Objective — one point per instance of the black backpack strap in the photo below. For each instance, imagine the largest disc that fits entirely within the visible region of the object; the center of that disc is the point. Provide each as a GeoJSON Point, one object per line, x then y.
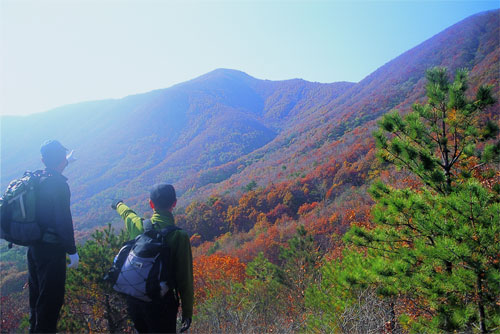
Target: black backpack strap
{"type": "Point", "coordinates": [42, 175]}
{"type": "Point", "coordinates": [170, 228]}
{"type": "Point", "coordinates": [148, 225]}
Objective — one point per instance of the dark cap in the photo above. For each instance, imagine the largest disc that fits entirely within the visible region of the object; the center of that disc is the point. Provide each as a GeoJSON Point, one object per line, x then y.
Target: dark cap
{"type": "Point", "coordinates": [163, 195]}
{"type": "Point", "coordinates": [53, 152]}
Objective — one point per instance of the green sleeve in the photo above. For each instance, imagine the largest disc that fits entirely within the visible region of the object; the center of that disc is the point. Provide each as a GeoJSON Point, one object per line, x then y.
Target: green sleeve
{"type": "Point", "coordinates": [184, 274]}
{"type": "Point", "coordinates": [133, 223]}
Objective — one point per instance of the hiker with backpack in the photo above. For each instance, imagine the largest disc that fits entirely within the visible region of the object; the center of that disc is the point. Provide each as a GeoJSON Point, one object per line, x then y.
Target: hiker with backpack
{"type": "Point", "coordinates": [155, 269]}
{"type": "Point", "coordinates": [47, 256]}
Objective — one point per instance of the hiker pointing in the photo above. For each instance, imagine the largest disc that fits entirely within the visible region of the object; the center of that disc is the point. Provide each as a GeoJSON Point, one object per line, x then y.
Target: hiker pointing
{"type": "Point", "coordinates": [153, 305]}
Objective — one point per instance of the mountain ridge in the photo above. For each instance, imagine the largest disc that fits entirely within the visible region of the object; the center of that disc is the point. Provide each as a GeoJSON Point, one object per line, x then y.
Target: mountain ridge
{"type": "Point", "coordinates": [221, 130]}
{"type": "Point", "coordinates": [358, 104]}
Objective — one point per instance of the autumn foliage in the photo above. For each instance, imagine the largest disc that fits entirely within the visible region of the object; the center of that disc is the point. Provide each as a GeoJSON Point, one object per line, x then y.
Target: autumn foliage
{"type": "Point", "coordinates": [267, 229]}
{"type": "Point", "coordinates": [213, 273]}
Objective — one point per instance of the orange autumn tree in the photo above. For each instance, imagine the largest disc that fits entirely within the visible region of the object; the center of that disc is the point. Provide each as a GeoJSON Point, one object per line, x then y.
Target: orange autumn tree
{"type": "Point", "coordinates": [218, 281]}
{"type": "Point", "coordinates": [212, 274]}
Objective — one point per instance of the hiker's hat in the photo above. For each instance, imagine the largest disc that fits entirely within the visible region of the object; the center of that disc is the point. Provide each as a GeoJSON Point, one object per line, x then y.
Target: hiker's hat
{"type": "Point", "coordinates": [52, 150]}
{"type": "Point", "coordinates": [163, 195]}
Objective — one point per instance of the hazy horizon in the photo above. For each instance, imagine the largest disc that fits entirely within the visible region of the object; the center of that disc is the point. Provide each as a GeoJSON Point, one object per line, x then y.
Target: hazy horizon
{"type": "Point", "coordinates": [57, 53]}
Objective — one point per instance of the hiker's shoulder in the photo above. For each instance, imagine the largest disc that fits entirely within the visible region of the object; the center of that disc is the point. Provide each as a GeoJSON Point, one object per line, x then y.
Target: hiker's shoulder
{"type": "Point", "coordinates": [53, 182]}
{"type": "Point", "coordinates": [180, 235]}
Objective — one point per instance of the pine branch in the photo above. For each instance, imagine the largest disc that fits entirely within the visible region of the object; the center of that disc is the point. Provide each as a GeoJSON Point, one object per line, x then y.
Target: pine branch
{"type": "Point", "coordinates": [415, 171]}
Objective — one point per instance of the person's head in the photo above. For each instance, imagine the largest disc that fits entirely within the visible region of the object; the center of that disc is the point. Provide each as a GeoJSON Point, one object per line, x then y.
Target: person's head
{"type": "Point", "coordinates": [54, 155]}
{"type": "Point", "coordinates": [162, 197]}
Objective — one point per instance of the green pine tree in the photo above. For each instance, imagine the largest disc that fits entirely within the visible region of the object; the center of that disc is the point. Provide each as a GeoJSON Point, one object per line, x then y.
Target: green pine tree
{"type": "Point", "coordinates": [300, 260]}
{"type": "Point", "coordinates": [440, 141]}
{"type": "Point", "coordinates": [436, 247]}
{"type": "Point", "coordinates": [265, 292]}
{"type": "Point", "coordinates": [298, 271]}
{"type": "Point", "coordinates": [91, 304]}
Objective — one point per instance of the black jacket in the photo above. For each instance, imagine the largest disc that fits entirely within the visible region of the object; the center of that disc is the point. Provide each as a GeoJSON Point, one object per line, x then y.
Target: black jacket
{"type": "Point", "coordinates": [53, 210]}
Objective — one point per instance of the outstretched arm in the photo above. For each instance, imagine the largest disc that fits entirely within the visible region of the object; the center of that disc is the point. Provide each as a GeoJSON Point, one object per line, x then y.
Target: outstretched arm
{"type": "Point", "coordinates": [133, 223]}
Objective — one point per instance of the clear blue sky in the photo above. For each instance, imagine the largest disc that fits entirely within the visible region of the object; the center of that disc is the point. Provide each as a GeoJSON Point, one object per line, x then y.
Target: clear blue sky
{"type": "Point", "coordinates": [59, 52]}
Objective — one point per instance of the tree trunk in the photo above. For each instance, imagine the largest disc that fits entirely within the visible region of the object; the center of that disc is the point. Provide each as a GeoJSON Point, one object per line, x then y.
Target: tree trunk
{"type": "Point", "coordinates": [480, 305]}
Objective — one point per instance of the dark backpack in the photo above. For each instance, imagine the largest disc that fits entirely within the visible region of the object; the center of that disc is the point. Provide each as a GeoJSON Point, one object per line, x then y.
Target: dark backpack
{"type": "Point", "coordinates": [141, 268]}
{"type": "Point", "coordinates": [18, 223]}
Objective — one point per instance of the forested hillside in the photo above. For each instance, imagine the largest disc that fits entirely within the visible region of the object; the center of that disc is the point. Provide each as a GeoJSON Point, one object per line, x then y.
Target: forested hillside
{"type": "Point", "coordinates": [124, 146]}
{"type": "Point", "coordinates": [271, 176]}
{"type": "Point", "coordinates": [225, 128]}
{"type": "Point", "coordinates": [471, 44]}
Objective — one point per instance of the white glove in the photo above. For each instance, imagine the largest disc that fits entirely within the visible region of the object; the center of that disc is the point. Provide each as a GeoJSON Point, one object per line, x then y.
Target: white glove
{"type": "Point", "coordinates": [163, 288]}
{"type": "Point", "coordinates": [73, 261]}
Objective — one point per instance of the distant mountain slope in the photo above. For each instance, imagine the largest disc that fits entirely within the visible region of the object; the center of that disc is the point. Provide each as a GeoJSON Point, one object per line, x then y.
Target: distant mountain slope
{"type": "Point", "coordinates": [218, 132]}
{"type": "Point", "coordinates": [126, 145]}
{"type": "Point", "coordinates": [472, 43]}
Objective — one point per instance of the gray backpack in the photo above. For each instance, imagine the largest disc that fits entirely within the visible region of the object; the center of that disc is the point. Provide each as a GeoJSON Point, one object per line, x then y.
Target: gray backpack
{"type": "Point", "coordinates": [142, 269]}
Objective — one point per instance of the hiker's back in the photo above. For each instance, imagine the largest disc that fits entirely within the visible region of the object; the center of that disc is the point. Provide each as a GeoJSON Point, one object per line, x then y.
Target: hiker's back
{"type": "Point", "coordinates": [160, 316]}
{"type": "Point", "coordinates": [53, 211]}
{"type": "Point", "coordinates": [47, 257]}
{"type": "Point", "coordinates": [53, 196]}
{"type": "Point", "coordinates": [176, 241]}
